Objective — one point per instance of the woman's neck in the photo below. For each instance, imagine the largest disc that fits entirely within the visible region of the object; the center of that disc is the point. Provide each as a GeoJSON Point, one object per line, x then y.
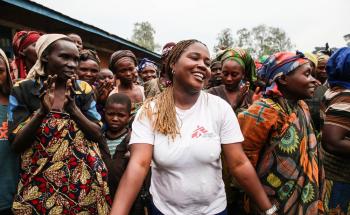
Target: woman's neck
{"type": "Point", "coordinates": [183, 98]}
{"type": "Point", "coordinates": [126, 85]}
{"type": "Point", "coordinates": [230, 89]}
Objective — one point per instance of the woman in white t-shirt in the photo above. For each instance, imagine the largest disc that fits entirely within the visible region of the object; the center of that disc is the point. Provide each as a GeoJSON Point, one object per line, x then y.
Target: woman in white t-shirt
{"type": "Point", "coordinates": [182, 131]}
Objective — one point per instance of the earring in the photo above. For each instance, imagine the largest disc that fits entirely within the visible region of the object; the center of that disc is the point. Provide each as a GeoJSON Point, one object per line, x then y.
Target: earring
{"type": "Point", "coordinates": [172, 71]}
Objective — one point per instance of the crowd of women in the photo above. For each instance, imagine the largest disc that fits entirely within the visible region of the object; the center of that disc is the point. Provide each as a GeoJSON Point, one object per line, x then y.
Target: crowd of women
{"type": "Point", "coordinates": [194, 135]}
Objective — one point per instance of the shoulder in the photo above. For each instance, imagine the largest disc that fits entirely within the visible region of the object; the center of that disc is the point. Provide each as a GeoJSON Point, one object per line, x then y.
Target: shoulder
{"type": "Point", "coordinates": [25, 83]}
{"type": "Point", "coordinates": [83, 87]}
{"type": "Point", "coordinates": [214, 90]}
{"type": "Point", "coordinates": [262, 110]}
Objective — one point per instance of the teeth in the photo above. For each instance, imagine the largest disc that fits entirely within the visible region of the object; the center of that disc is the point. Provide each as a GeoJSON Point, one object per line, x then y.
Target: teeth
{"type": "Point", "coordinates": [199, 76]}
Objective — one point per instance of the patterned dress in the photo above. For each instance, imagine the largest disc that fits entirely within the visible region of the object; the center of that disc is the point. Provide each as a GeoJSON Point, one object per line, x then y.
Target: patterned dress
{"type": "Point", "coordinates": [62, 172]}
{"type": "Point", "coordinates": [281, 144]}
{"type": "Point", "coordinates": [336, 107]}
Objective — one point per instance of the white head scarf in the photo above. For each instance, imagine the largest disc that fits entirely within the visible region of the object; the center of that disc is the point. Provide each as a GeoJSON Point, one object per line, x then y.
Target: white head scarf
{"type": "Point", "coordinates": [43, 42]}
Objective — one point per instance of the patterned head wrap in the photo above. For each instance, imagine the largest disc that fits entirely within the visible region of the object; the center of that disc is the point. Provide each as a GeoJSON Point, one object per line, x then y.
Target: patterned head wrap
{"type": "Point", "coordinates": [243, 58]}
{"type": "Point", "coordinates": [311, 57]}
{"type": "Point", "coordinates": [119, 55]}
{"type": "Point", "coordinates": [146, 63]}
{"type": "Point", "coordinates": [166, 49]}
{"type": "Point", "coordinates": [21, 40]}
{"type": "Point", "coordinates": [41, 45]}
{"type": "Point", "coordinates": [88, 54]}
{"type": "Point", "coordinates": [338, 68]}
{"type": "Point", "coordinates": [279, 64]}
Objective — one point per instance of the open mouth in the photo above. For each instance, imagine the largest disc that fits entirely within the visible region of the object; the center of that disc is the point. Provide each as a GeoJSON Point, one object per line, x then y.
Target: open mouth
{"type": "Point", "coordinates": [199, 76]}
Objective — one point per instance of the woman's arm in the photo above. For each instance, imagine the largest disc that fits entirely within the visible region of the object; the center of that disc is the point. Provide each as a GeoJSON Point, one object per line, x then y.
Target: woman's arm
{"type": "Point", "coordinates": [24, 137]}
{"type": "Point", "coordinates": [243, 171]}
{"type": "Point", "coordinates": [133, 177]}
{"type": "Point", "coordinates": [334, 140]}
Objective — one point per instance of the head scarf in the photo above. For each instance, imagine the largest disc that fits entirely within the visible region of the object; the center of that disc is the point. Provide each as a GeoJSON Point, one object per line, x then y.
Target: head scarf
{"type": "Point", "coordinates": [146, 63]}
{"type": "Point", "coordinates": [243, 58]}
{"type": "Point", "coordinates": [88, 54]}
{"type": "Point", "coordinates": [8, 69]}
{"type": "Point", "coordinates": [166, 49]}
{"type": "Point", "coordinates": [311, 57]}
{"type": "Point", "coordinates": [43, 42]}
{"type": "Point", "coordinates": [21, 40]}
{"type": "Point", "coordinates": [279, 64]}
{"type": "Point", "coordinates": [338, 68]}
{"type": "Point", "coordinates": [119, 55]}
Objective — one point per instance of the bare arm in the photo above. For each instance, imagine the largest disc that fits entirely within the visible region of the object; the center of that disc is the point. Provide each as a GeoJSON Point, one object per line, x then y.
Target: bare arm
{"type": "Point", "coordinates": [243, 171]}
{"type": "Point", "coordinates": [133, 177]}
{"type": "Point", "coordinates": [24, 138]}
{"type": "Point", "coordinates": [334, 140]}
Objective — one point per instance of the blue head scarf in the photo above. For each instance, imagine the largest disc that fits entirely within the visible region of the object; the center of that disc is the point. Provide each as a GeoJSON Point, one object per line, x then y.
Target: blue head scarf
{"type": "Point", "coordinates": [145, 62]}
{"type": "Point", "coordinates": [338, 68]}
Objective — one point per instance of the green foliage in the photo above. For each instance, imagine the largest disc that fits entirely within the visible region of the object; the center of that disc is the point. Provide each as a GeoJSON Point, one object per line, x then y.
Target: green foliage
{"type": "Point", "coordinates": [263, 40]}
{"type": "Point", "coordinates": [225, 40]}
{"type": "Point", "coordinates": [143, 35]}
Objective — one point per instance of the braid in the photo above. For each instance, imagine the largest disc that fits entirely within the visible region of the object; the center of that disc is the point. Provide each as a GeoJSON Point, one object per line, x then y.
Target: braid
{"type": "Point", "coordinates": [164, 111]}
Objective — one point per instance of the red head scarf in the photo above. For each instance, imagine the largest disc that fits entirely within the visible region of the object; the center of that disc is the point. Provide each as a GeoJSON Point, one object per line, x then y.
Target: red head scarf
{"type": "Point", "coordinates": [22, 40]}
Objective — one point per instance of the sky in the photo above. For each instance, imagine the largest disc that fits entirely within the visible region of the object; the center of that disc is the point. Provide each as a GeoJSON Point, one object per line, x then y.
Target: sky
{"type": "Point", "coordinates": [308, 23]}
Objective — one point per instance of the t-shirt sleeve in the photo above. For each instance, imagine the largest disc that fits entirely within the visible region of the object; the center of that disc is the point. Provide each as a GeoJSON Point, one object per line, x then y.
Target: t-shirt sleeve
{"type": "Point", "coordinates": [230, 131]}
{"type": "Point", "coordinates": [142, 130]}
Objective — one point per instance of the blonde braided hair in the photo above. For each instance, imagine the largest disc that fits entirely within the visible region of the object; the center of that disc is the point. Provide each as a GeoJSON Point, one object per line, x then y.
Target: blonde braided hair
{"type": "Point", "coordinates": [163, 114]}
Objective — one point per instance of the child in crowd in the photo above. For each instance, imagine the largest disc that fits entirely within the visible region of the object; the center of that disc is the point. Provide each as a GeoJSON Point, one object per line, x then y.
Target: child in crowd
{"type": "Point", "coordinates": [114, 149]}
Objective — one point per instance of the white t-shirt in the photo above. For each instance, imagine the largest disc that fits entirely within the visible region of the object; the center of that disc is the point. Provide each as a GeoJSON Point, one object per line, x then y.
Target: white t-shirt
{"type": "Point", "coordinates": [186, 173]}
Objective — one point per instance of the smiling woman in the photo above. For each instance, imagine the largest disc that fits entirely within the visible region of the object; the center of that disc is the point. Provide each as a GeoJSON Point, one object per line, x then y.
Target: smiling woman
{"type": "Point", "coordinates": [54, 124]}
{"type": "Point", "coordinates": [183, 130]}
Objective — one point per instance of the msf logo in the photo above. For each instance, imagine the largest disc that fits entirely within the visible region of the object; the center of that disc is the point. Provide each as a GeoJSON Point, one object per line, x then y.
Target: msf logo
{"type": "Point", "coordinates": [199, 131]}
{"type": "Point", "coordinates": [3, 131]}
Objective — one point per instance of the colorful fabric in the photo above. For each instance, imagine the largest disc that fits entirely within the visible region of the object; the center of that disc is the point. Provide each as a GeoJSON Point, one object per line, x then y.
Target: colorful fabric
{"type": "Point", "coordinates": [22, 40]}
{"type": "Point", "coordinates": [312, 58]}
{"type": "Point", "coordinates": [145, 62]}
{"type": "Point", "coordinates": [336, 112]}
{"type": "Point", "coordinates": [24, 100]}
{"type": "Point", "coordinates": [337, 197]}
{"type": "Point", "coordinates": [285, 152]}
{"type": "Point", "coordinates": [62, 172]}
{"type": "Point", "coordinates": [279, 64]}
{"type": "Point", "coordinates": [338, 68]}
{"type": "Point", "coordinates": [41, 45]}
{"type": "Point", "coordinates": [119, 55]}
{"type": "Point", "coordinates": [243, 58]}
{"type": "Point", "coordinates": [167, 48]}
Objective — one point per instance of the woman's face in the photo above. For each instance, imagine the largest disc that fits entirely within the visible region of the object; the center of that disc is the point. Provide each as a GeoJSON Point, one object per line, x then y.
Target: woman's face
{"type": "Point", "coordinates": [88, 70]}
{"type": "Point", "coordinates": [29, 54]}
{"type": "Point", "coordinates": [300, 84]}
{"type": "Point", "coordinates": [62, 59]}
{"type": "Point", "coordinates": [123, 70]}
{"type": "Point", "coordinates": [105, 76]}
{"type": "Point", "coordinates": [77, 40]}
{"type": "Point", "coordinates": [232, 74]}
{"type": "Point", "coordinates": [191, 70]}
{"type": "Point", "coordinates": [321, 73]}
{"type": "Point", "coordinates": [3, 76]}
{"type": "Point", "coordinates": [148, 73]}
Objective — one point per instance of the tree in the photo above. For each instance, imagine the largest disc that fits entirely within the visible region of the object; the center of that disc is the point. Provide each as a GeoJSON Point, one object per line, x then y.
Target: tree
{"type": "Point", "coordinates": [225, 40]}
{"type": "Point", "coordinates": [143, 35]}
{"type": "Point", "coordinates": [263, 40]}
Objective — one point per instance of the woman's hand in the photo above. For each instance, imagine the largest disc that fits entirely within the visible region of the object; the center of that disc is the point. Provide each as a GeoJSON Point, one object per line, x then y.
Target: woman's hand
{"type": "Point", "coordinates": [69, 101]}
{"type": "Point", "coordinates": [47, 94]}
{"type": "Point", "coordinates": [103, 90]}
